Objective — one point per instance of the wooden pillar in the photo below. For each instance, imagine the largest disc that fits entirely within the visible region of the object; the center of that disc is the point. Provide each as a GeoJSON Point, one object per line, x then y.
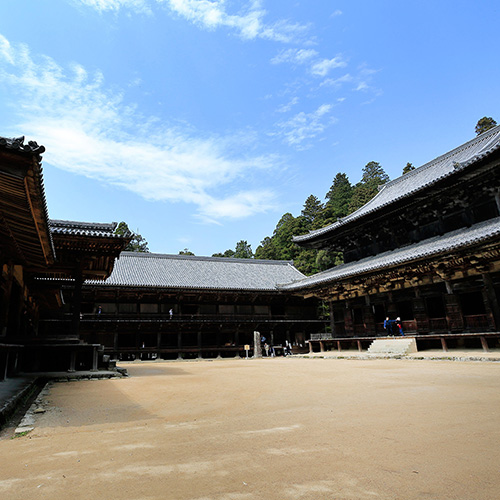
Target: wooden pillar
{"type": "Point", "coordinates": [369, 317]}
{"type": "Point", "coordinates": [484, 344]}
{"type": "Point", "coordinates": [421, 318]}
{"type": "Point", "coordinates": [391, 306]}
{"type": "Point", "coordinates": [199, 342]}
{"type": "Point", "coordinates": [310, 347]}
{"type": "Point", "coordinates": [348, 321]}
{"type": "Point", "coordinates": [179, 342]}
{"type": "Point", "coordinates": [72, 361]}
{"type": "Point", "coordinates": [77, 300]}
{"type": "Point", "coordinates": [321, 346]}
{"type": "Point", "coordinates": [237, 341]}
{"type": "Point", "coordinates": [95, 359]}
{"type": "Point", "coordinates": [360, 347]}
{"type": "Point", "coordinates": [332, 319]}
{"type": "Point", "coordinates": [491, 301]}
{"type": "Point", "coordinates": [453, 310]}
{"type": "Point", "coordinates": [444, 345]}
{"type": "Point", "coordinates": [339, 347]}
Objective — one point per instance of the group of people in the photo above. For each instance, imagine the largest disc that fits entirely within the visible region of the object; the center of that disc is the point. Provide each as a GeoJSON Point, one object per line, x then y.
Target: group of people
{"type": "Point", "coordinates": [389, 325]}
{"type": "Point", "coordinates": [270, 350]}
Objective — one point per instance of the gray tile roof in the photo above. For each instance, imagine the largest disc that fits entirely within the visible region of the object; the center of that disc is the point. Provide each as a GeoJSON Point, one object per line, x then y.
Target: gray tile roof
{"type": "Point", "coordinates": [420, 178]}
{"type": "Point", "coordinates": [17, 144]}
{"type": "Point", "coordinates": [134, 269]}
{"type": "Point", "coordinates": [76, 228]}
{"type": "Point", "coordinates": [432, 247]}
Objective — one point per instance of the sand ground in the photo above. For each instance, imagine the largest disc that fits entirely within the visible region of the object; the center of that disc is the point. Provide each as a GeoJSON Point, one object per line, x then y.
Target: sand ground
{"type": "Point", "coordinates": [266, 429]}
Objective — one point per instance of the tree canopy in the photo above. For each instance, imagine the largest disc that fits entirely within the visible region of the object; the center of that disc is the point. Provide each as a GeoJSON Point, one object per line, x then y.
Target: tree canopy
{"type": "Point", "coordinates": [341, 200]}
{"type": "Point", "coordinates": [137, 243]}
{"type": "Point", "coordinates": [242, 251]}
{"type": "Point", "coordinates": [408, 168]}
{"type": "Point", "coordinates": [484, 124]}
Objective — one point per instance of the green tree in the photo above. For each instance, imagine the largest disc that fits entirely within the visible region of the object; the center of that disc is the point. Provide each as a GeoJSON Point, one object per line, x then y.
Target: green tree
{"type": "Point", "coordinates": [137, 242]}
{"type": "Point", "coordinates": [373, 173]}
{"type": "Point", "coordinates": [484, 124]}
{"type": "Point", "coordinates": [186, 251]}
{"type": "Point", "coordinates": [267, 250]}
{"type": "Point", "coordinates": [338, 199]}
{"type": "Point", "coordinates": [373, 177]}
{"type": "Point", "coordinates": [243, 250]}
{"type": "Point", "coordinates": [408, 168]}
{"type": "Point", "coordinates": [227, 254]}
{"type": "Point", "coordinates": [312, 210]}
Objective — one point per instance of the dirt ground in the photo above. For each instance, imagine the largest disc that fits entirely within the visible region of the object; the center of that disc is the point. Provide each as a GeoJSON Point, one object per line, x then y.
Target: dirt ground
{"type": "Point", "coordinates": [266, 429]}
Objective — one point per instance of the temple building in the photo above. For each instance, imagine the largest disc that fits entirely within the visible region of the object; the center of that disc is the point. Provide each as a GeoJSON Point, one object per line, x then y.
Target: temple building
{"type": "Point", "coordinates": [426, 249]}
{"type": "Point", "coordinates": [36, 256]}
{"type": "Point", "coordinates": [179, 306]}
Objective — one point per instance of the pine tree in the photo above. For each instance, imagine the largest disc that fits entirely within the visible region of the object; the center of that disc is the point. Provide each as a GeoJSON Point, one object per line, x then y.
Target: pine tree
{"type": "Point", "coordinates": [484, 124]}
{"type": "Point", "coordinates": [137, 242]}
{"type": "Point", "coordinates": [408, 168]}
{"type": "Point", "coordinates": [338, 198]}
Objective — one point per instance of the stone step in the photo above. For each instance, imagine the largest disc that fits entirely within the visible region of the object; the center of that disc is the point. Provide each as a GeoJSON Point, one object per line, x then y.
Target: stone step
{"type": "Point", "coordinates": [400, 345]}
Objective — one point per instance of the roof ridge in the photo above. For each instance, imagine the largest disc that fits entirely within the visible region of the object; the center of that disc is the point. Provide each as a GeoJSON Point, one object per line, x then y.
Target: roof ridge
{"type": "Point", "coordinates": [204, 258]}
{"type": "Point", "coordinates": [490, 136]}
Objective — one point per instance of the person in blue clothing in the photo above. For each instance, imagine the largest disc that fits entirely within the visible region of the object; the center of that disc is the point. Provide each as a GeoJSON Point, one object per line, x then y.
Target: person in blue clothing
{"type": "Point", "coordinates": [388, 323]}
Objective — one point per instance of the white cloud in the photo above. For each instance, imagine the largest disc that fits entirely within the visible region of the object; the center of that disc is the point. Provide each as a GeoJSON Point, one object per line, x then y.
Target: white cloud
{"type": "Point", "coordinates": [323, 67]}
{"type": "Point", "coordinates": [90, 131]}
{"type": "Point", "coordinates": [337, 82]}
{"type": "Point", "coordinates": [288, 106]}
{"type": "Point", "coordinates": [140, 6]}
{"type": "Point", "coordinates": [294, 56]}
{"type": "Point", "coordinates": [212, 14]}
{"type": "Point", "coordinates": [303, 127]}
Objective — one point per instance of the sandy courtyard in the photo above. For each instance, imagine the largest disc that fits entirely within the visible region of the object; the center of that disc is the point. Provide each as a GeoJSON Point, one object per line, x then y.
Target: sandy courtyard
{"type": "Point", "coordinates": [266, 429]}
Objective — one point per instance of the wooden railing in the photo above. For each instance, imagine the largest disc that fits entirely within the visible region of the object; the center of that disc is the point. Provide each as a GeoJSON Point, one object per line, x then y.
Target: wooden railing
{"type": "Point", "coordinates": [476, 322]}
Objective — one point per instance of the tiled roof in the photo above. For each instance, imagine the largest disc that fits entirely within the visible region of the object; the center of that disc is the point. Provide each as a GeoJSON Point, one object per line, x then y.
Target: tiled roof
{"type": "Point", "coordinates": [17, 144]}
{"type": "Point", "coordinates": [432, 247]}
{"type": "Point", "coordinates": [420, 178]}
{"type": "Point", "coordinates": [136, 269]}
{"type": "Point", "coordinates": [75, 228]}
{"type": "Point", "coordinates": [33, 184]}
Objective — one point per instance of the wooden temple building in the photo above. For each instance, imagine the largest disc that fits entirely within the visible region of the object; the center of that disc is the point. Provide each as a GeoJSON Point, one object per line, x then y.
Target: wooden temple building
{"type": "Point", "coordinates": [36, 257]}
{"type": "Point", "coordinates": [178, 306]}
{"type": "Point", "coordinates": [426, 249]}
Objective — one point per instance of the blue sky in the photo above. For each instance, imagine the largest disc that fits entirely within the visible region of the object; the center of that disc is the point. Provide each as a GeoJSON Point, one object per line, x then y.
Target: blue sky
{"type": "Point", "coordinates": [201, 122]}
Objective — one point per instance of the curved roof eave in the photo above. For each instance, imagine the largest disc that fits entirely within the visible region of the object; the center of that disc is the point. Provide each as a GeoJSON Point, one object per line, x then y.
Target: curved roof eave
{"type": "Point", "coordinates": [417, 180]}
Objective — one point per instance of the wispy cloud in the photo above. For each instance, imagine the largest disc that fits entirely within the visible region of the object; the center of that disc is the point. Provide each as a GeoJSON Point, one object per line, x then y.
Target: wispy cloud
{"type": "Point", "coordinates": [309, 57]}
{"type": "Point", "coordinates": [91, 131]}
{"type": "Point", "coordinates": [249, 23]}
{"type": "Point", "coordinates": [294, 56]}
{"type": "Point", "coordinates": [323, 67]}
{"type": "Point", "coordinates": [302, 127]}
{"type": "Point", "coordinates": [288, 106]}
{"type": "Point", "coordinates": [140, 6]}
{"type": "Point", "coordinates": [337, 82]}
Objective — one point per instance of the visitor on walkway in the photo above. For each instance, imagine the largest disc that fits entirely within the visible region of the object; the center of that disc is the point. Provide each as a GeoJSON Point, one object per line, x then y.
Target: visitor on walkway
{"type": "Point", "coordinates": [388, 324]}
{"type": "Point", "coordinates": [400, 326]}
